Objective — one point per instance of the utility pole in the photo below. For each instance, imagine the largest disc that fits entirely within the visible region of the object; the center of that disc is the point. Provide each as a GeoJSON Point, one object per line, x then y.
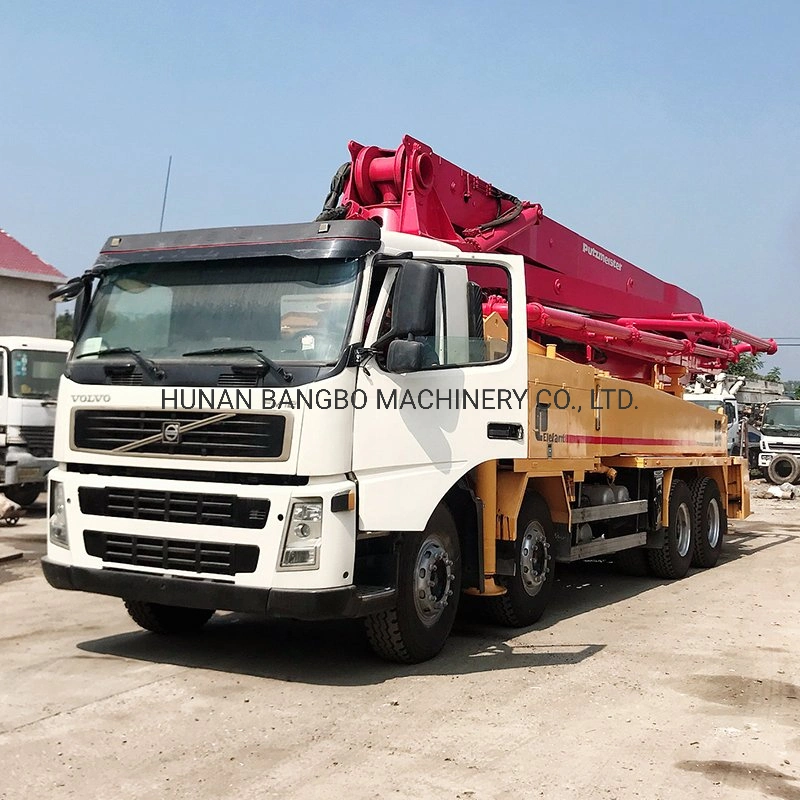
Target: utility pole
{"type": "Point", "coordinates": [166, 189]}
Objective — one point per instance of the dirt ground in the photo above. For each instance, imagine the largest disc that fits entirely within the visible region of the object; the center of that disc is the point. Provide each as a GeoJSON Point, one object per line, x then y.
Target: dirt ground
{"type": "Point", "coordinates": [630, 687]}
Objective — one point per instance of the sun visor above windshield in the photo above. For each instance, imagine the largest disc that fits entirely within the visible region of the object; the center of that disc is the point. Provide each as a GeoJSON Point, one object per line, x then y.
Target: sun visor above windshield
{"type": "Point", "coordinates": [335, 239]}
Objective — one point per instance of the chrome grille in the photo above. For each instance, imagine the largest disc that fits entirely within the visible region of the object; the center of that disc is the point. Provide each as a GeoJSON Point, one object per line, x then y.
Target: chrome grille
{"type": "Point", "coordinates": [217, 435]}
{"type": "Point", "coordinates": [784, 447]}
{"type": "Point", "coordinates": [215, 558]}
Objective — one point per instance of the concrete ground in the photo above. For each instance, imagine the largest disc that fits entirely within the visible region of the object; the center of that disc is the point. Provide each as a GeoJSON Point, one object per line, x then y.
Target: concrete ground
{"type": "Point", "coordinates": [630, 687]}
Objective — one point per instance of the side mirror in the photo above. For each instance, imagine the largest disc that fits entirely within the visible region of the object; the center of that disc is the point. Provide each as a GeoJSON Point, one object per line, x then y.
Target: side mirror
{"type": "Point", "coordinates": [80, 311]}
{"type": "Point", "coordinates": [404, 355]}
{"type": "Point", "coordinates": [414, 301]}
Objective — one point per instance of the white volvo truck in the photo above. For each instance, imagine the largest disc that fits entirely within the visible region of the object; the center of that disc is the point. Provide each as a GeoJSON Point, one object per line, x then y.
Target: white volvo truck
{"type": "Point", "coordinates": [30, 369]}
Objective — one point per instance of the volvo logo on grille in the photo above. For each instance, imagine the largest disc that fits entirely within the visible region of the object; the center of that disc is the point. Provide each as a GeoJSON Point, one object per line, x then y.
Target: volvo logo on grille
{"type": "Point", "coordinates": [171, 433]}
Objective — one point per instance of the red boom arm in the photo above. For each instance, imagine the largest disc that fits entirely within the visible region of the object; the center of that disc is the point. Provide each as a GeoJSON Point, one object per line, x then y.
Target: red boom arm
{"type": "Point", "coordinates": [627, 318]}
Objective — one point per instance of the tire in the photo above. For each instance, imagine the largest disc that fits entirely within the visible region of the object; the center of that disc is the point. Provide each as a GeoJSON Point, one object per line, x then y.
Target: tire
{"type": "Point", "coordinates": [23, 495]}
{"type": "Point", "coordinates": [675, 556]}
{"type": "Point", "coordinates": [529, 590]}
{"type": "Point", "coordinates": [783, 469]}
{"type": "Point", "coordinates": [632, 562]}
{"type": "Point", "coordinates": [428, 590]}
{"type": "Point", "coordinates": [710, 522]}
{"type": "Point", "coordinates": [167, 619]}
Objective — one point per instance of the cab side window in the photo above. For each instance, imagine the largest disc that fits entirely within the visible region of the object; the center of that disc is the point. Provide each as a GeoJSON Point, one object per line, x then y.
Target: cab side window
{"type": "Point", "coordinates": [462, 338]}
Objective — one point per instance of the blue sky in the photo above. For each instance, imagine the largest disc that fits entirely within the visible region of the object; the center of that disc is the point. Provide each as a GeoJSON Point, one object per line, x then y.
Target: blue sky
{"type": "Point", "coordinates": [667, 132]}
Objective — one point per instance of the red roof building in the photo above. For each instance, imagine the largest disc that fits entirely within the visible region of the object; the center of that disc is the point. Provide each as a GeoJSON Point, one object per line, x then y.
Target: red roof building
{"type": "Point", "coordinates": [25, 282]}
{"type": "Point", "coordinates": [16, 261]}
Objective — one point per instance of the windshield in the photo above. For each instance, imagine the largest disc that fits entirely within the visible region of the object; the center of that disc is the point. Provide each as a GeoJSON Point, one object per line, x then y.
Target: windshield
{"type": "Point", "coordinates": [782, 417]}
{"type": "Point", "coordinates": [35, 373]}
{"type": "Point", "coordinates": [289, 309]}
{"type": "Point", "coordinates": [715, 404]}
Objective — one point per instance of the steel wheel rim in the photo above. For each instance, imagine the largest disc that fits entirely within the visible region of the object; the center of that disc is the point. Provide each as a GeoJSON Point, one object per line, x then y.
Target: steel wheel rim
{"type": "Point", "coordinates": [683, 529]}
{"type": "Point", "coordinates": [713, 526]}
{"type": "Point", "coordinates": [533, 558]}
{"type": "Point", "coordinates": [433, 580]}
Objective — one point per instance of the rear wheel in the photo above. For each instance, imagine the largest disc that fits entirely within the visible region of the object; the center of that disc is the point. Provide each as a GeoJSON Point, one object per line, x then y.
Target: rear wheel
{"type": "Point", "coordinates": [167, 619]}
{"type": "Point", "coordinates": [783, 469]}
{"type": "Point", "coordinates": [710, 521]}
{"type": "Point", "coordinates": [529, 590]}
{"type": "Point", "coordinates": [429, 585]}
{"type": "Point", "coordinates": [675, 556]}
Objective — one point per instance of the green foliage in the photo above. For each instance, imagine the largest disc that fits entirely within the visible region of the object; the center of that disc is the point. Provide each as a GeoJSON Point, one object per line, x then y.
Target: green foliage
{"type": "Point", "coordinates": [64, 325]}
{"type": "Point", "coordinates": [747, 366]}
{"type": "Point", "coordinates": [750, 365]}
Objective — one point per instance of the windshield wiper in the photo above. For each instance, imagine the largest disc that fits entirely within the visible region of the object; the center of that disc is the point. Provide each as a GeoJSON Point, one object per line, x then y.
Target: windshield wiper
{"type": "Point", "coordinates": [222, 351]}
{"type": "Point", "coordinates": [145, 363]}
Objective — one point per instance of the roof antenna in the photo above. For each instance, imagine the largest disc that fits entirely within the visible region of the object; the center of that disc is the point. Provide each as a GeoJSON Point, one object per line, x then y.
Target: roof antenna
{"type": "Point", "coordinates": [166, 189]}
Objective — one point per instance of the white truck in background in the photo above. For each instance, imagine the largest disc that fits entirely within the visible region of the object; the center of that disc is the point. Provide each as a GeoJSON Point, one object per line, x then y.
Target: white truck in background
{"type": "Point", "coordinates": [30, 369]}
{"type": "Point", "coordinates": [710, 391]}
{"type": "Point", "coordinates": [779, 458]}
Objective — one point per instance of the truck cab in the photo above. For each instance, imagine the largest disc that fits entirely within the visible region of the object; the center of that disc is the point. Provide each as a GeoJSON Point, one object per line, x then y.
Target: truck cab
{"type": "Point", "coordinates": [780, 437]}
{"type": "Point", "coordinates": [30, 369]}
{"type": "Point", "coordinates": [724, 402]}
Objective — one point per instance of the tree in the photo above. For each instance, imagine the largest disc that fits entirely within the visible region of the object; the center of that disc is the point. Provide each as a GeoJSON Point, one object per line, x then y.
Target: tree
{"type": "Point", "coordinates": [64, 325]}
{"type": "Point", "coordinates": [750, 365]}
{"type": "Point", "coordinates": [747, 366]}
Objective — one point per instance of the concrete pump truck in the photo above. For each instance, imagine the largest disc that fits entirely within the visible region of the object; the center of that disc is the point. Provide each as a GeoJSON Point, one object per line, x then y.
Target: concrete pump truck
{"type": "Point", "coordinates": [433, 389]}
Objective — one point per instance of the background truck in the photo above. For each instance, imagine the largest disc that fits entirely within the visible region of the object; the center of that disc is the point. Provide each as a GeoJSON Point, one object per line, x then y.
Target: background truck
{"type": "Point", "coordinates": [712, 392]}
{"type": "Point", "coordinates": [779, 458]}
{"type": "Point", "coordinates": [433, 389]}
{"type": "Point", "coordinates": [30, 369]}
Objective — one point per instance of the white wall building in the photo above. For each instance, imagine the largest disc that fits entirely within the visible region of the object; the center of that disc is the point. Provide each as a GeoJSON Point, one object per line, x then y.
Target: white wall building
{"type": "Point", "coordinates": [25, 282]}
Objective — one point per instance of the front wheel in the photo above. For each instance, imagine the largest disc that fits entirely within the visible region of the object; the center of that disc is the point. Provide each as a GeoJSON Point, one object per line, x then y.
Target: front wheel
{"type": "Point", "coordinates": [428, 589]}
{"type": "Point", "coordinates": [167, 619]}
{"type": "Point", "coordinates": [528, 590]}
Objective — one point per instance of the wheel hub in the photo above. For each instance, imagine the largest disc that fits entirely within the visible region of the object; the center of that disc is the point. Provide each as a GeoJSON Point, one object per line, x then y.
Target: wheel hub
{"type": "Point", "coordinates": [713, 523]}
{"type": "Point", "coordinates": [683, 529]}
{"type": "Point", "coordinates": [533, 558]}
{"type": "Point", "coordinates": [433, 580]}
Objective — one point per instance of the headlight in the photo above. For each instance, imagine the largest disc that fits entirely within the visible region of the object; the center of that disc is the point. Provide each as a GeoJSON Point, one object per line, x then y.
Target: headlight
{"type": "Point", "coordinates": [14, 436]}
{"type": "Point", "coordinates": [303, 535]}
{"type": "Point", "coordinates": [58, 515]}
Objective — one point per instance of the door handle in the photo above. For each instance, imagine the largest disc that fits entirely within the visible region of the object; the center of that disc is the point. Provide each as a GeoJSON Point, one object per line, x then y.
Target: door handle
{"type": "Point", "coordinates": [505, 430]}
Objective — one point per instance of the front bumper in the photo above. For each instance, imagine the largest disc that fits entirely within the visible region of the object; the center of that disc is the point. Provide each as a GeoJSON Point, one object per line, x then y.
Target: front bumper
{"type": "Point", "coordinates": [765, 459]}
{"type": "Point", "coordinates": [23, 468]}
{"type": "Point", "coordinates": [345, 602]}
{"type": "Point", "coordinates": [335, 565]}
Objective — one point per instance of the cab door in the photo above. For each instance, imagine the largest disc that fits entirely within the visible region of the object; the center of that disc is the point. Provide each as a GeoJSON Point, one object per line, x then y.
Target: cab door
{"type": "Point", "coordinates": [419, 431]}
